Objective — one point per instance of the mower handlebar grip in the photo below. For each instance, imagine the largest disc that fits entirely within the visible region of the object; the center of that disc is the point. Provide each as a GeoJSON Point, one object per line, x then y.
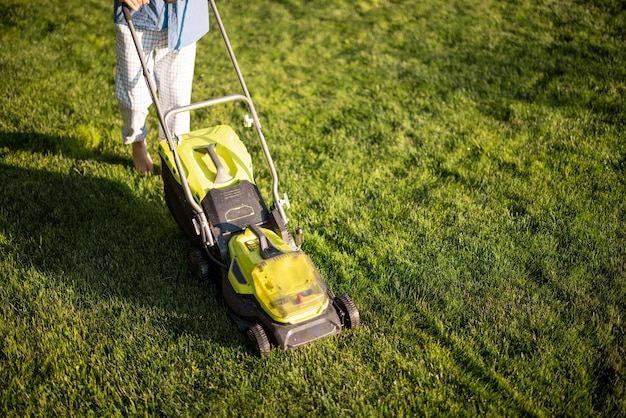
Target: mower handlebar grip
{"type": "Point", "coordinates": [127, 14]}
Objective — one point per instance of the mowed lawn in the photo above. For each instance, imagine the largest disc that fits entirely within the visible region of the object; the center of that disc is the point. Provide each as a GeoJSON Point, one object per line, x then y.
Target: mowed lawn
{"type": "Point", "coordinates": [458, 168]}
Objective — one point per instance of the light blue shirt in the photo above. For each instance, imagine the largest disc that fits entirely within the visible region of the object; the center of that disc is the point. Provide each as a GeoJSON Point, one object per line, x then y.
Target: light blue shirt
{"type": "Point", "coordinates": [186, 20]}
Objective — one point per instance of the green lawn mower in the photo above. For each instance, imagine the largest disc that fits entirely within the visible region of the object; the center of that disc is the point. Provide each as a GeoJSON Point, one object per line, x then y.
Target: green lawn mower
{"type": "Point", "coordinates": [271, 290]}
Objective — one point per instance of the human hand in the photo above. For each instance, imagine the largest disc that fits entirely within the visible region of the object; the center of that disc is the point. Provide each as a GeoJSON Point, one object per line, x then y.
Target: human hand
{"type": "Point", "coordinates": [135, 4]}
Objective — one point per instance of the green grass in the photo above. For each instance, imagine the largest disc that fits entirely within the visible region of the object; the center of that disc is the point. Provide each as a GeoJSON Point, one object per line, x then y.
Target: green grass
{"type": "Point", "coordinates": [459, 168]}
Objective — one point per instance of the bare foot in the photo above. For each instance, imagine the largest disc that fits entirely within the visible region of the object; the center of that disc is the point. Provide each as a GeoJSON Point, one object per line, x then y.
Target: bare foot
{"type": "Point", "coordinates": [141, 157]}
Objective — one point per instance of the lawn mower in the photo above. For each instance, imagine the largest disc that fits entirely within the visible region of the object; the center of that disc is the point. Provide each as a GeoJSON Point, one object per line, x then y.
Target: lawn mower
{"type": "Point", "coordinates": [271, 290]}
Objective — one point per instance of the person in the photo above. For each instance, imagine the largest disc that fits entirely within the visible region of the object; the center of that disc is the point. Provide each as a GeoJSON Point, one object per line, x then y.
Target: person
{"type": "Point", "coordinates": [168, 31]}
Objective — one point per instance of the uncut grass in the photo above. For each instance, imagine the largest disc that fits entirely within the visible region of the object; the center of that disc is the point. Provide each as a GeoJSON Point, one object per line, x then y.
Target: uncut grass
{"type": "Point", "coordinates": [458, 168]}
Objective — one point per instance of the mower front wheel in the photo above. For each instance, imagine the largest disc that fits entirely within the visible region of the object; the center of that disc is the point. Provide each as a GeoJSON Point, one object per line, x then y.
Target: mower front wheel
{"type": "Point", "coordinates": [258, 338]}
{"type": "Point", "coordinates": [199, 264]}
{"type": "Point", "coordinates": [348, 312]}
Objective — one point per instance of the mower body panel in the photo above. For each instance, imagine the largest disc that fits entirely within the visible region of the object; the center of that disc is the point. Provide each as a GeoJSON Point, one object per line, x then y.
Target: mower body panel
{"type": "Point", "coordinates": [244, 310]}
{"type": "Point", "coordinates": [200, 169]}
{"type": "Point", "coordinates": [286, 285]}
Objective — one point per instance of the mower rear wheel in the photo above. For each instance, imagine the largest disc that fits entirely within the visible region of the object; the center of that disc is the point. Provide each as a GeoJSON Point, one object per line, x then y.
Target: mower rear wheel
{"type": "Point", "coordinates": [258, 338]}
{"type": "Point", "coordinates": [199, 264]}
{"type": "Point", "coordinates": [348, 312]}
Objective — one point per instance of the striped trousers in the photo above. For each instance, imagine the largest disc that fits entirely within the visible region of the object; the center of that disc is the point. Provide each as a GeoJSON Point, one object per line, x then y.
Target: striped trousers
{"type": "Point", "coordinates": [172, 72]}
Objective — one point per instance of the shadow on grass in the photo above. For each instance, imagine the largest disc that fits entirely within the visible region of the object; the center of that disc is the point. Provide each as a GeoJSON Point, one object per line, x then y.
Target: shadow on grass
{"type": "Point", "coordinates": [94, 236]}
{"type": "Point", "coordinates": [81, 147]}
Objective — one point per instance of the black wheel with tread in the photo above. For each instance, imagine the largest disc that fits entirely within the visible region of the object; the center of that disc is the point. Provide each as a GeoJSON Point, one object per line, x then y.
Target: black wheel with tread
{"type": "Point", "coordinates": [348, 312]}
{"type": "Point", "coordinates": [199, 265]}
{"type": "Point", "coordinates": [258, 339]}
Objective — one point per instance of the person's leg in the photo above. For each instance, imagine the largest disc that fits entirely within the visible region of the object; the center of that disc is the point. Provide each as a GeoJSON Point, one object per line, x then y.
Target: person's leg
{"type": "Point", "coordinates": [174, 73]}
{"type": "Point", "coordinates": [132, 93]}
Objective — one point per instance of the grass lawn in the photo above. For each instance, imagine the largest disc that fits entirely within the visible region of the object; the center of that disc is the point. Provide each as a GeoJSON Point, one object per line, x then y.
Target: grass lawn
{"type": "Point", "coordinates": [458, 168]}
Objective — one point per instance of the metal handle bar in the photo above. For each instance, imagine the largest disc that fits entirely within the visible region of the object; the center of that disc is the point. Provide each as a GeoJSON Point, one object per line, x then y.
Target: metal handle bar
{"type": "Point", "coordinates": [197, 209]}
{"type": "Point", "coordinates": [203, 223]}
{"type": "Point", "coordinates": [206, 103]}
{"type": "Point", "coordinates": [245, 98]}
{"type": "Point", "coordinates": [277, 200]}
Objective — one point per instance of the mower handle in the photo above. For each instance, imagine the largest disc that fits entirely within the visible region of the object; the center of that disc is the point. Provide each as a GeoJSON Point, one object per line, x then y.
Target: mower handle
{"type": "Point", "coordinates": [278, 202]}
{"type": "Point", "coordinates": [206, 103]}
{"type": "Point", "coordinates": [200, 217]}
{"type": "Point", "coordinates": [126, 11]}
